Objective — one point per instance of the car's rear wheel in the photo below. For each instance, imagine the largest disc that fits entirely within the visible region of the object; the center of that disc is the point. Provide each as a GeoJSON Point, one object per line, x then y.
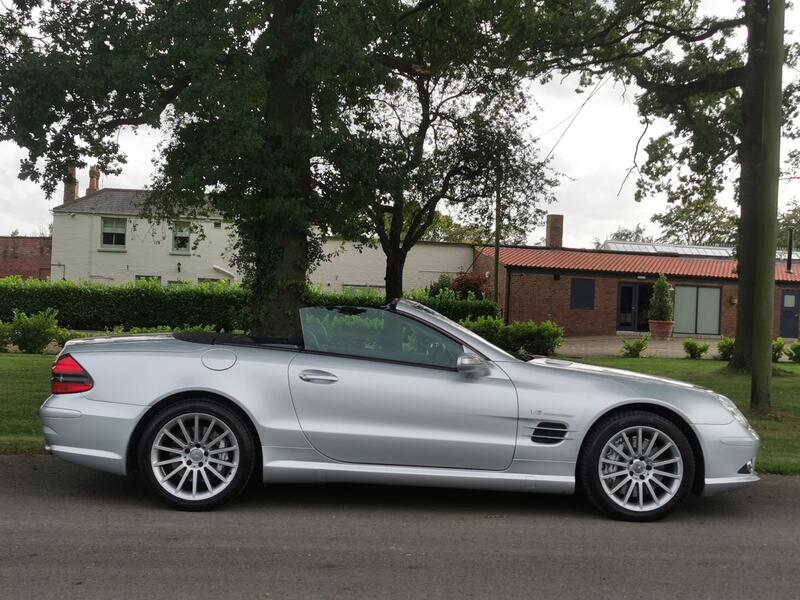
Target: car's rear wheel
{"type": "Point", "coordinates": [196, 454]}
{"type": "Point", "coordinates": [637, 466]}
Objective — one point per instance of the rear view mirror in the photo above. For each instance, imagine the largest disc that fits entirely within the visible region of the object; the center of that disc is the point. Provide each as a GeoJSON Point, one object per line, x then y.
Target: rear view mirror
{"type": "Point", "coordinates": [472, 364]}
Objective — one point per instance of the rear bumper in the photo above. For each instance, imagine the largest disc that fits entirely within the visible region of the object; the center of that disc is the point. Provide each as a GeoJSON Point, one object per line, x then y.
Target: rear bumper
{"type": "Point", "coordinates": [89, 433]}
{"type": "Point", "coordinates": [730, 452]}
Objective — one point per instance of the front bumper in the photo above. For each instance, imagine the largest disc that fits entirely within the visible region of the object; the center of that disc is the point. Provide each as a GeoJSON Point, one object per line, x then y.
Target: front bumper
{"type": "Point", "coordinates": [730, 452]}
{"type": "Point", "coordinates": [87, 432]}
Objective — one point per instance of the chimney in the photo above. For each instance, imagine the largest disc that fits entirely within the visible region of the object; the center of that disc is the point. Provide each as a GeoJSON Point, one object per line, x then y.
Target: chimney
{"type": "Point", "coordinates": [94, 179]}
{"type": "Point", "coordinates": [554, 237]}
{"type": "Point", "coordinates": [70, 185]}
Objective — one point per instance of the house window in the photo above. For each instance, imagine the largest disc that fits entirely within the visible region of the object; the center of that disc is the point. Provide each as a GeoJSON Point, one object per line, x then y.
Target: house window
{"type": "Point", "coordinates": [114, 232]}
{"type": "Point", "coordinates": [582, 294]}
{"type": "Point", "coordinates": [207, 280]}
{"type": "Point", "coordinates": [180, 237]}
{"type": "Point", "coordinates": [697, 310]}
{"type": "Point", "coordinates": [217, 225]}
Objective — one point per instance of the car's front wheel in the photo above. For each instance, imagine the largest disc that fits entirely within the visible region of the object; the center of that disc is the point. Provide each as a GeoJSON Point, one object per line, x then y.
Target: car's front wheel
{"type": "Point", "coordinates": [637, 466]}
{"type": "Point", "coordinates": [196, 454]}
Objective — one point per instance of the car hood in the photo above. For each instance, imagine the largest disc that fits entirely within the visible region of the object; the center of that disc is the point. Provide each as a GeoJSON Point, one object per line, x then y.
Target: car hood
{"type": "Point", "coordinates": [620, 374]}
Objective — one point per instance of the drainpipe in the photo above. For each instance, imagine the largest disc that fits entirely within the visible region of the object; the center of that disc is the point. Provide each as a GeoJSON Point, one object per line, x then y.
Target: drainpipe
{"type": "Point", "coordinates": [789, 252]}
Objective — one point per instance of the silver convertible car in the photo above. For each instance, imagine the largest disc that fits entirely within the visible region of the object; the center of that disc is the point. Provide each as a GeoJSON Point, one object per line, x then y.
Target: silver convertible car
{"type": "Point", "coordinates": [399, 395]}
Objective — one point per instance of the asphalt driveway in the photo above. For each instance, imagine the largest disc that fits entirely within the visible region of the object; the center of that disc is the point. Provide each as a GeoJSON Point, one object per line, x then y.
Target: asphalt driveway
{"type": "Point", "coordinates": [67, 532]}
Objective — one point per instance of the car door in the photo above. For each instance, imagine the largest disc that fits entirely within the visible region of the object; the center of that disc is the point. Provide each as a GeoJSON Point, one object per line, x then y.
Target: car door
{"type": "Point", "coordinates": [376, 387]}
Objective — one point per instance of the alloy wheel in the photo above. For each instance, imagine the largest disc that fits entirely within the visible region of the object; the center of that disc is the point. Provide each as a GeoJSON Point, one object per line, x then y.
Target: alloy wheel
{"type": "Point", "coordinates": [195, 456]}
{"type": "Point", "coordinates": [640, 468]}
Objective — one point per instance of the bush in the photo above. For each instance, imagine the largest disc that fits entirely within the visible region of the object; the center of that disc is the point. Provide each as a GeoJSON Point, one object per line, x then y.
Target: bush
{"type": "Point", "coordinates": [778, 349]}
{"type": "Point", "coordinates": [98, 306]}
{"type": "Point", "coordinates": [793, 352]}
{"type": "Point", "coordinates": [661, 306]}
{"type": "Point", "coordinates": [725, 348]}
{"type": "Point", "coordinates": [490, 328]}
{"type": "Point", "coordinates": [444, 282]}
{"type": "Point", "coordinates": [33, 334]}
{"type": "Point", "coordinates": [520, 338]}
{"type": "Point", "coordinates": [694, 349]}
{"type": "Point", "coordinates": [5, 335]}
{"type": "Point", "coordinates": [473, 282]}
{"type": "Point", "coordinates": [219, 305]}
{"type": "Point", "coordinates": [633, 348]}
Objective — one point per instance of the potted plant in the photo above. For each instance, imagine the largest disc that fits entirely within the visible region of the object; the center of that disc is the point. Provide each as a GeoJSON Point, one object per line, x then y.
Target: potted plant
{"type": "Point", "coordinates": [661, 309]}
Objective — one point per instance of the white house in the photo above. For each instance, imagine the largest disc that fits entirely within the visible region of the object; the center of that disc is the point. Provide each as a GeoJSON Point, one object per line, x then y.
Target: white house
{"type": "Point", "coordinates": [100, 237]}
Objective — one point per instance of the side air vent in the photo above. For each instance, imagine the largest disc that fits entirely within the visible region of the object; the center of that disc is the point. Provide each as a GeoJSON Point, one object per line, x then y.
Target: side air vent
{"type": "Point", "coordinates": [549, 432]}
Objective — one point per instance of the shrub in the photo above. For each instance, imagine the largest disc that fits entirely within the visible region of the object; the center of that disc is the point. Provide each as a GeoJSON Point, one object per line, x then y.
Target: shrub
{"type": "Point", "coordinates": [219, 305]}
{"type": "Point", "coordinates": [793, 352]}
{"type": "Point", "coordinates": [33, 334]}
{"type": "Point", "coordinates": [661, 307]}
{"type": "Point", "coordinates": [444, 282]}
{"type": "Point", "coordinates": [89, 305]}
{"type": "Point", "coordinates": [5, 335]}
{"type": "Point", "coordinates": [474, 282]}
{"type": "Point", "coordinates": [694, 349]}
{"type": "Point", "coordinates": [633, 348]}
{"type": "Point", "coordinates": [520, 338]}
{"type": "Point", "coordinates": [526, 337]}
{"type": "Point", "coordinates": [725, 348]}
{"type": "Point", "coordinates": [490, 328]}
{"type": "Point", "coordinates": [778, 349]}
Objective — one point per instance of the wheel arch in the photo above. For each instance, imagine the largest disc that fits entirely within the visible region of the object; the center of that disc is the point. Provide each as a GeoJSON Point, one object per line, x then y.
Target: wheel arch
{"type": "Point", "coordinates": [663, 411]}
{"type": "Point", "coordinates": [131, 463]}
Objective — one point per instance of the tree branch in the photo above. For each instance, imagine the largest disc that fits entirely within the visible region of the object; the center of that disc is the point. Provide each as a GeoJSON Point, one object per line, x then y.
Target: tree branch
{"type": "Point", "coordinates": [151, 116]}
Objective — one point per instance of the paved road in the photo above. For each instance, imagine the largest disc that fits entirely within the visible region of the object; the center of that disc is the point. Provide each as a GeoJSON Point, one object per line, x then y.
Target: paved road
{"type": "Point", "coordinates": [66, 532]}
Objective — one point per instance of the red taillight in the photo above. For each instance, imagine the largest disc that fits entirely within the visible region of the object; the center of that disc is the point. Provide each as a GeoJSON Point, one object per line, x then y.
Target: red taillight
{"type": "Point", "coordinates": [69, 377]}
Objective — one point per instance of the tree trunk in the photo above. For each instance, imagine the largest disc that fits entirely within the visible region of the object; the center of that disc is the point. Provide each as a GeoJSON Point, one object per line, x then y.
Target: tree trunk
{"type": "Point", "coordinates": [276, 240]}
{"type": "Point", "coordinates": [749, 159]}
{"type": "Point", "coordinates": [395, 263]}
{"type": "Point", "coordinates": [767, 214]}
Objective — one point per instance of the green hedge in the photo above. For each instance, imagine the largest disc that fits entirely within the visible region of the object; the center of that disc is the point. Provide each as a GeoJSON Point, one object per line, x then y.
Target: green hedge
{"type": "Point", "coordinates": [521, 337]}
{"type": "Point", "coordinates": [99, 306]}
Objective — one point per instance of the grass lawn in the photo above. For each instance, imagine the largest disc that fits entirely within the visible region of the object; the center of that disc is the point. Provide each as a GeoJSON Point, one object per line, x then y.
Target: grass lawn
{"type": "Point", "coordinates": [780, 432]}
{"type": "Point", "coordinates": [25, 383]}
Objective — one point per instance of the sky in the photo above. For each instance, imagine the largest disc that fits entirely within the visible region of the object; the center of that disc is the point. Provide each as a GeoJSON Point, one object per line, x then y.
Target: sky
{"type": "Point", "coordinates": [594, 152]}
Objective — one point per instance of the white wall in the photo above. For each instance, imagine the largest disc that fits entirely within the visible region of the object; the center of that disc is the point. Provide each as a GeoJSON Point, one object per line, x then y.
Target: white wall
{"type": "Point", "coordinates": [425, 262]}
{"type": "Point", "coordinates": [148, 251]}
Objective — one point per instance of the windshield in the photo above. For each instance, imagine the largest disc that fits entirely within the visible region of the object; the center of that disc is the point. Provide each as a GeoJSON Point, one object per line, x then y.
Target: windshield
{"type": "Point", "coordinates": [466, 335]}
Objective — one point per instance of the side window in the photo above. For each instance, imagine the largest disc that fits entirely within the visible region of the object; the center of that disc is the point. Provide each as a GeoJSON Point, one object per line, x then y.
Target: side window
{"type": "Point", "coordinates": [582, 294]}
{"type": "Point", "coordinates": [113, 232]}
{"type": "Point", "coordinates": [378, 334]}
{"type": "Point", "coordinates": [181, 232]}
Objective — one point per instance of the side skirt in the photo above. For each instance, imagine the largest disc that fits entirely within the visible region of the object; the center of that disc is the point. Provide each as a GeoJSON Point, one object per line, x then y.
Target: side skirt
{"type": "Point", "coordinates": [304, 471]}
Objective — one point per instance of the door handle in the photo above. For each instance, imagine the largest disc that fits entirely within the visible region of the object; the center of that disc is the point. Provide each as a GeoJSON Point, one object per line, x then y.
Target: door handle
{"type": "Point", "coordinates": [315, 376]}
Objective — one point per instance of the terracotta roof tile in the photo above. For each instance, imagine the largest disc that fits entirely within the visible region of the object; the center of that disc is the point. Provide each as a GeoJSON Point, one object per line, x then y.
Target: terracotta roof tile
{"type": "Point", "coordinates": [618, 262]}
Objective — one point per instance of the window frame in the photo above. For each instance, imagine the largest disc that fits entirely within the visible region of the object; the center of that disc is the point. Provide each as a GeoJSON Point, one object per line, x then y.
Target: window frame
{"type": "Point", "coordinates": [573, 304]}
{"type": "Point", "coordinates": [179, 232]}
{"type": "Point", "coordinates": [123, 231]}
{"type": "Point", "coordinates": [697, 289]}
{"type": "Point", "coordinates": [466, 348]}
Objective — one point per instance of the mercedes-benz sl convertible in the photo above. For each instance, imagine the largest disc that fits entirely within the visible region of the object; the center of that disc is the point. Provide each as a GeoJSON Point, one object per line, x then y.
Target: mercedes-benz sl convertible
{"type": "Point", "coordinates": [399, 395]}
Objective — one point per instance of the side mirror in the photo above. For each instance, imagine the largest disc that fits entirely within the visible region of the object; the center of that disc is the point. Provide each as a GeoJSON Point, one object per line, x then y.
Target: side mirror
{"type": "Point", "coordinates": [472, 364]}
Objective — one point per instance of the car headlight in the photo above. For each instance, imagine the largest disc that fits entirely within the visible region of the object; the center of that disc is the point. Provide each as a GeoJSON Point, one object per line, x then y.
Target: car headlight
{"type": "Point", "coordinates": [728, 404]}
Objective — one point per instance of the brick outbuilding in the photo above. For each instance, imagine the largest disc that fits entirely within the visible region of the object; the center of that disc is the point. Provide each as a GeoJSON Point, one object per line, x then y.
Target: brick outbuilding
{"type": "Point", "coordinates": [603, 292]}
{"type": "Point", "coordinates": [25, 256]}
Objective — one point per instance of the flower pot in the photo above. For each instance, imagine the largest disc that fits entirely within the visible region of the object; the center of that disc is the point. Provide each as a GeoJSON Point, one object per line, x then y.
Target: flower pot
{"type": "Point", "coordinates": [661, 329]}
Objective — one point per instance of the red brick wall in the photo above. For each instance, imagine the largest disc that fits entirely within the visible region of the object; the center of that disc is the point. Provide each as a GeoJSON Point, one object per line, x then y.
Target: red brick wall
{"type": "Point", "coordinates": [539, 296]}
{"type": "Point", "coordinates": [25, 256]}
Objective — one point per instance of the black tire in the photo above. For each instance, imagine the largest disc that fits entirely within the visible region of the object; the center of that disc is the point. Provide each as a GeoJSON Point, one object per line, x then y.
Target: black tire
{"type": "Point", "coordinates": [589, 477]}
{"type": "Point", "coordinates": [241, 436]}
